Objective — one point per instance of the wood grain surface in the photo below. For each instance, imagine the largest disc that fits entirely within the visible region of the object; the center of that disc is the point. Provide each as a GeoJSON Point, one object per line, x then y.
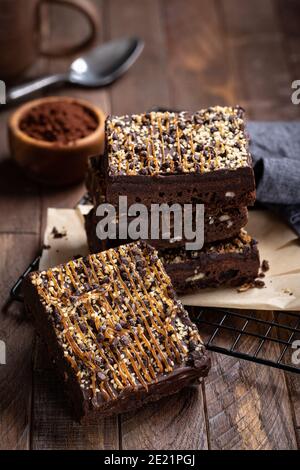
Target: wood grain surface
{"type": "Point", "coordinates": [197, 53]}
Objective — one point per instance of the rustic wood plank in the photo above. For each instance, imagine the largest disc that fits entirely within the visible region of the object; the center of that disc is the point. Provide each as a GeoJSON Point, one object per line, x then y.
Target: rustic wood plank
{"type": "Point", "coordinates": [289, 11]}
{"type": "Point", "coordinates": [217, 61]}
{"type": "Point", "coordinates": [248, 407]}
{"type": "Point", "coordinates": [174, 423]}
{"type": "Point", "coordinates": [293, 380]}
{"type": "Point", "coordinates": [19, 199]}
{"type": "Point", "coordinates": [258, 63]}
{"type": "Point", "coordinates": [263, 74]}
{"type": "Point", "coordinates": [242, 20]}
{"type": "Point", "coordinates": [288, 17]}
{"type": "Point", "coordinates": [17, 332]}
{"type": "Point", "coordinates": [53, 426]}
{"type": "Point", "coordinates": [177, 422]}
{"type": "Point", "coordinates": [197, 57]}
{"type": "Point", "coordinates": [145, 85]}
{"type": "Point", "coordinates": [237, 391]}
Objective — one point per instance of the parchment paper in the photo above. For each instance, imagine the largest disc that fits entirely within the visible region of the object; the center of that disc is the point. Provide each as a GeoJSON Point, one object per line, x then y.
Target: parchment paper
{"type": "Point", "coordinates": [277, 243]}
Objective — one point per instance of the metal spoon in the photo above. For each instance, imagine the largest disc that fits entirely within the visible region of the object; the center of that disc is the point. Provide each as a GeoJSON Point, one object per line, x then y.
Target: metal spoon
{"type": "Point", "coordinates": [98, 68]}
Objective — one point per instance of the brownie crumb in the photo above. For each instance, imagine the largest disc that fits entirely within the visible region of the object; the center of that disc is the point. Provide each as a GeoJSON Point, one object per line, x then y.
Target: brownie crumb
{"type": "Point", "coordinates": [265, 266]}
{"type": "Point", "coordinates": [259, 283]}
{"type": "Point", "coordinates": [46, 247]}
{"type": "Point", "coordinates": [288, 291]}
{"type": "Point", "coordinates": [261, 274]}
{"type": "Point", "coordinates": [245, 287]}
{"type": "Point", "coordinates": [57, 234]}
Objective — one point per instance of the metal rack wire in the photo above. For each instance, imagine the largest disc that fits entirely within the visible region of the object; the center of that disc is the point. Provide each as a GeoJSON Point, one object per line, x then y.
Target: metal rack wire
{"type": "Point", "coordinates": [262, 337]}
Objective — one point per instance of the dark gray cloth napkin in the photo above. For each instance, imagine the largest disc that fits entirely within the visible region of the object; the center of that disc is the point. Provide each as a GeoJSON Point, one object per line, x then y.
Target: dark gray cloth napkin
{"type": "Point", "coordinates": [275, 148]}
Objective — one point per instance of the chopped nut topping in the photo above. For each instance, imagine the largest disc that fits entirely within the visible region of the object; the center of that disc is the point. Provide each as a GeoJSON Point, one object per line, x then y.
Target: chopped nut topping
{"type": "Point", "coordinates": [162, 143]}
{"type": "Point", "coordinates": [117, 319]}
{"type": "Point", "coordinates": [238, 244]}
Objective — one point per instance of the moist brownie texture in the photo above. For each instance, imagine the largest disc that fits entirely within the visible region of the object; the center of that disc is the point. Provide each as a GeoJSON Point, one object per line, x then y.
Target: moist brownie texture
{"type": "Point", "coordinates": [115, 329]}
{"type": "Point", "coordinates": [218, 225]}
{"type": "Point", "coordinates": [229, 263]}
{"type": "Point", "coordinates": [183, 157]}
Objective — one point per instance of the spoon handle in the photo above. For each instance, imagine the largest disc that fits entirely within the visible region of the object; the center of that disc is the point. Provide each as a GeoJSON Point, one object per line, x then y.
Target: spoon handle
{"type": "Point", "coordinates": [19, 92]}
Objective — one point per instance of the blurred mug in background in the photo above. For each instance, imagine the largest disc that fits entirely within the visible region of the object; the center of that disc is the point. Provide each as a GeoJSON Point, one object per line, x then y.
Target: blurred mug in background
{"type": "Point", "coordinates": [20, 33]}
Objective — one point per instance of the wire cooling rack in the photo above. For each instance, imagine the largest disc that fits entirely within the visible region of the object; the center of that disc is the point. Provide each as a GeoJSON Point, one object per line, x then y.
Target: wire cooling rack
{"type": "Point", "coordinates": [263, 337]}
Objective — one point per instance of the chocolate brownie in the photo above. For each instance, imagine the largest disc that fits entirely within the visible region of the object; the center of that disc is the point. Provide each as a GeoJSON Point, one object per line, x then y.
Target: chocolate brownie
{"type": "Point", "coordinates": [115, 329]}
{"type": "Point", "coordinates": [218, 225]}
{"type": "Point", "coordinates": [230, 263]}
{"type": "Point", "coordinates": [183, 157]}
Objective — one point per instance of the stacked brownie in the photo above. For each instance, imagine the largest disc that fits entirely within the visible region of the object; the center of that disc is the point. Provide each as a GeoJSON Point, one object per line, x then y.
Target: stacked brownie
{"type": "Point", "coordinates": [183, 158]}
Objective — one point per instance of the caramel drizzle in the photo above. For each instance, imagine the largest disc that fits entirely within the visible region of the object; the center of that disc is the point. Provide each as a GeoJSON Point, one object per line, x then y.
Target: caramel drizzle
{"type": "Point", "coordinates": [104, 356]}
{"type": "Point", "coordinates": [158, 307]}
{"type": "Point", "coordinates": [132, 152]}
{"type": "Point", "coordinates": [121, 315]}
{"type": "Point", "coordinates": [85, 358]}
{"type": "Point", "coordinates": [155, 308]}
{"type": "Point", "coordinates": [161, 139]}
{"type": "Point", "coordinates": [134, 351]}
{"type": "Point", "coordinates": [155, 160]}
{"type": "Point", "coordinates": [134, 301]}
{"type": "Point", "coordinates": [193, 150]}
{"type": "Point", "coordinates": [182, 161]}
{"type": "Point", "coordinates": [128, 375]}
{"type": "Point", "coordinates": [156, 118]}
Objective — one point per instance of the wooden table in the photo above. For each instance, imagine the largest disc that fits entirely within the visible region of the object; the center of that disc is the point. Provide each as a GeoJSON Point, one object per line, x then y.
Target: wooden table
{"type": "Point", "coordinates": [198, 53]}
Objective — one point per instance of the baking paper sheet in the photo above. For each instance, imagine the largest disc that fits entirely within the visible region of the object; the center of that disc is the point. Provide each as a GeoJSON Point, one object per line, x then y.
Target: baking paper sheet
{"type": "Point", "coordinates": [277, 243]}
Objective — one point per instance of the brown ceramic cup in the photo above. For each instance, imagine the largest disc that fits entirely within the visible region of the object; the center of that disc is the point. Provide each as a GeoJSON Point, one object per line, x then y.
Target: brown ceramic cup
{"type": "Point", "coordinates": [20, 26]}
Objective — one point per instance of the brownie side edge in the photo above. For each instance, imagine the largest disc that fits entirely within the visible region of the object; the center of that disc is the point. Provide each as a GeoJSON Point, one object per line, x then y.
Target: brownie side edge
{"type": "Point", "coordinates": [45, 329]}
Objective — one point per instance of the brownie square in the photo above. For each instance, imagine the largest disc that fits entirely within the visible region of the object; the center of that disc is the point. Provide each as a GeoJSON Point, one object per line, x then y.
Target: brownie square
{"type": "Point", "coordinates": [115, 329]}
{"type": "Point", "coordinates": [183, 157]}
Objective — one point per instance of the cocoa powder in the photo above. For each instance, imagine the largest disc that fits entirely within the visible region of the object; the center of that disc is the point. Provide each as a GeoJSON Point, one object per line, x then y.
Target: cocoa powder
{"type": "Point", "coordinates": [60, 122]}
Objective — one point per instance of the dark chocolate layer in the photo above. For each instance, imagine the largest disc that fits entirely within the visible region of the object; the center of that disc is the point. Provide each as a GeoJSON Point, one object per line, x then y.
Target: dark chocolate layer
{"type": "Point", "coordinates": [218, 225]}
{"type": "Point", "coordinates": [225, 263]}
{"type": "Point", "coordinates": [221, 188]}
{"type": "Point", "coordinates": [230, 263]}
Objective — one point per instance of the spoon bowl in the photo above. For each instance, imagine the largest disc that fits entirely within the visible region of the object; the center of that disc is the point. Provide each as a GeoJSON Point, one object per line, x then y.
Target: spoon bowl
{"type": "Point", "coordinates": [99, 67]}
{"type": "Point", "coordinates": [103, 65]}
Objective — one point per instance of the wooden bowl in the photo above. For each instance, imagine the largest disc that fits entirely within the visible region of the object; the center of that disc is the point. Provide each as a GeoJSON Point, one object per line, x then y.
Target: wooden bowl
{"type": "Point", "coordinates": [53, 163]}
